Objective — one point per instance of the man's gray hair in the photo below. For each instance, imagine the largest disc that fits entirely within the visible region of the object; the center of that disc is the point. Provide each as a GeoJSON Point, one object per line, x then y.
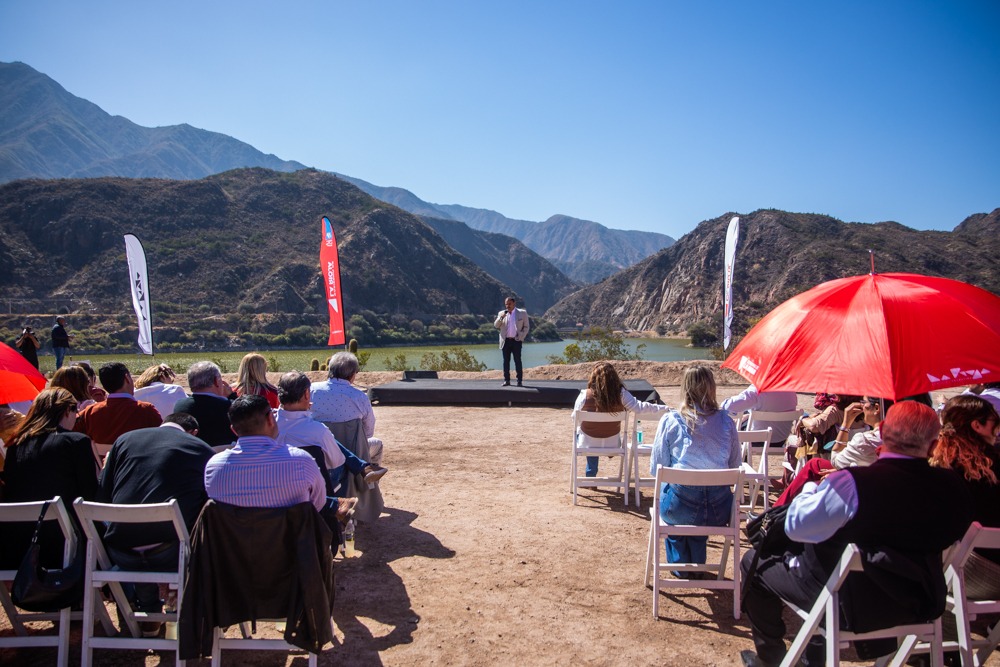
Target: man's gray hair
{"type": "Point", "coordinates": [292, 387]}
{"type": "Point", "coordinates": [202, 375]}
{"type": "Point", "coordinates": [343, 366]}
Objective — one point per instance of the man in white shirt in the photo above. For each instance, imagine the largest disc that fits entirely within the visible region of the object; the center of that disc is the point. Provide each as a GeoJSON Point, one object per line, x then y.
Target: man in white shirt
{"type": "Point", "coordinates": [298, 428]}
{"type": "Point", "coordinates": [338, 400]}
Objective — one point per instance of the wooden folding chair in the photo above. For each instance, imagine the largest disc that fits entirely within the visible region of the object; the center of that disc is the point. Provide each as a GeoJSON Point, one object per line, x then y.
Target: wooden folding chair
{"type": "Point", "coordinates": [100, 572]}
{"type": "Point", "coordinates": [757, 478]}
{"type": "Point", "coordinates": [824, 618]}
{"type": "Point", "coordinates": [973, 652]}
{"type": "Point", "coordinates": [658, 530]}
{"type": "Point", "coordinates": [28, 513]}
{"type": "Point", "coordinates": [635, 450]}
{"type": "Point", "coordinates": [621, 480]}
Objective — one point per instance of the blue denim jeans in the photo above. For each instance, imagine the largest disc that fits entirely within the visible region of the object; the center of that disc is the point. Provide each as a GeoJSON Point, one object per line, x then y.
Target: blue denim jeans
{"type": "Point", "coordinates": [60, 353]}
{"type": "Point", "coordinates": [693, 505]}
{"type": "Point", "coordinates": [352, 464]}
{"type": "Point", "coordinates": [145, 597]}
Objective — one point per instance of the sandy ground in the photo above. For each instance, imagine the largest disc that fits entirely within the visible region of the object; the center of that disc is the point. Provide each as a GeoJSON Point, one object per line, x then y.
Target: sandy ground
{"type": "Point", "coordinates": [481, 558]}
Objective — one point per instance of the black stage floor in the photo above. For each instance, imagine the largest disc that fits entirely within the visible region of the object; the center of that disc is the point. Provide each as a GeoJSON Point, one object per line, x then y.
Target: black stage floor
{"type": "Point", "coordinates": [548, 393]}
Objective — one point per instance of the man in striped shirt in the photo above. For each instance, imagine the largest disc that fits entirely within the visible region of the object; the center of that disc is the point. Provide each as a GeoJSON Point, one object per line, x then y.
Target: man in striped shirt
{"type": "Point", "coordinates": [260, 472]}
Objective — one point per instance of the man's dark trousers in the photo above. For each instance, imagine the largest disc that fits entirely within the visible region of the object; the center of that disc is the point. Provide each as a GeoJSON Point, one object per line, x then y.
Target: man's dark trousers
{"type": "Point", "coordinates": [512, 346]}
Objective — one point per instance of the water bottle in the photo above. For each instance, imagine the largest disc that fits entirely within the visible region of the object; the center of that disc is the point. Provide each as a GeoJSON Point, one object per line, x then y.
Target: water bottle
{"type": "Point", "coordinates": [638, 432]}
{"type": "Point", "coordinates": [349, 539]}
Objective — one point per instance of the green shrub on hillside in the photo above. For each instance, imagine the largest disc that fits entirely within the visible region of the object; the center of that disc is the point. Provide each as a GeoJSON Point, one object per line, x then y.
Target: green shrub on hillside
{"type": "Point", "coordinates": [455, 359]}
{"type": "Point", "coordinates": [597, 344]}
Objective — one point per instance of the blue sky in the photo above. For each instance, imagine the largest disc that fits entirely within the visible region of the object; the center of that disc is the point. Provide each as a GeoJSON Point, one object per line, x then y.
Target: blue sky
{"type": "Point", "coordinates": [648, 115]}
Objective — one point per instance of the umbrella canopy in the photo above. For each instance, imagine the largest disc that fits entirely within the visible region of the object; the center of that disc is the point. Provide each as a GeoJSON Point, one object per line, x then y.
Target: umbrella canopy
{"type": "Point", "coordinates": [19, 380]}
{"type": "Point", "coordinates": [889, 335]}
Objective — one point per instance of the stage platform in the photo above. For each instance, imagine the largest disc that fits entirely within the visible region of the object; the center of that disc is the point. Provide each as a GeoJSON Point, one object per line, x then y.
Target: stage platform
{"type": "Point", "coordinates": [547, 393]}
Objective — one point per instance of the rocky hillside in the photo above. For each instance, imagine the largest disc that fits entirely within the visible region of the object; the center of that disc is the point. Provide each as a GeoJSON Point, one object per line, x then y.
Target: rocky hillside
{"type": "Point", "coordinates": [46, 132]}
{"type": "Point", "coordinates": [246, 240]}
{"type": "Point", "coordinates": [530, 275]}
{"type": "Point", "coordinates": [585, 251]}
{"type": "Point", "coordinates": [779, 255]}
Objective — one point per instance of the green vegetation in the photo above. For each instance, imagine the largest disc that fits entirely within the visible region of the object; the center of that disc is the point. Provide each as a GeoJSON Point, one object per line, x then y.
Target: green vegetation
{"type": "Point", "coordinates": [703, 334]}
{"type": "Point", "coordinates": [597, 344]}
{"type": "Point", "coordinates": [455, 359]}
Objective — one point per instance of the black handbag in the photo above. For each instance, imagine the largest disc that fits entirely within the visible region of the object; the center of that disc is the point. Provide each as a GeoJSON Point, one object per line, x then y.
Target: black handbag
{"type": "Point", "coordinates": [38, 588]}
{"type": "Point", "coordinates": [766, 533]}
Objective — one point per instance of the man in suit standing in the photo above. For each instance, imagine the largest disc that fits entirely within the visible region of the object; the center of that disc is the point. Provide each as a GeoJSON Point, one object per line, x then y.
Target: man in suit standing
{"type": "Point", "coordinates": [208, 403]}
{"type": "Point", "coordinates": [513, 325]}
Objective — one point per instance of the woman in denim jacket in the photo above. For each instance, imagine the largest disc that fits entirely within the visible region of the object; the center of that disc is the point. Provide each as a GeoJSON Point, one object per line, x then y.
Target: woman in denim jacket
{"type": "Point", "coordinates": [696, 437]}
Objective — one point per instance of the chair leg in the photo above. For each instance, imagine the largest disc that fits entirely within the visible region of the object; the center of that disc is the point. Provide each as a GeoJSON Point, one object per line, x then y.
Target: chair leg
{"type": "Point", "coordinates": [991, 644]}
{"type": "Point", "coordinates": [656, 568]}
{"type": "Point", "coordinates": [62, 657]}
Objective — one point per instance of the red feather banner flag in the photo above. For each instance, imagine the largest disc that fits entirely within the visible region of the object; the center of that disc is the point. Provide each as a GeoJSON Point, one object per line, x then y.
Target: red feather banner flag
{"type": "Point", "coordinates": [330, 265]}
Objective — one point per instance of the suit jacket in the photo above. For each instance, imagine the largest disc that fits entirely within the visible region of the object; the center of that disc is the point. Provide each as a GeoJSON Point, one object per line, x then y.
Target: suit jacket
{"type": "Point", "coordinates": [212, 413]}
{"type": "Point", "coordinates": [250, 563]}
{"type": "Point", "coordinates": [521, 319]}
{"type": "Point", "coordinates": [154, 465]}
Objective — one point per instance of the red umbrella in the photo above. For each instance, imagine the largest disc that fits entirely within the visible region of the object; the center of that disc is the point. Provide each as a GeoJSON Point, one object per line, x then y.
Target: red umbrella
{"type": "Point", "coordinates": [19, 380]}
{"type": "Point", "coordinates": [890, 335]}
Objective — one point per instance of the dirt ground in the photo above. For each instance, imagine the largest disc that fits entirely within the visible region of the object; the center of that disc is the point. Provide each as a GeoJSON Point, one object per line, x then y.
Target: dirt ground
{"type": "Point", "coordinates": [481, 558]}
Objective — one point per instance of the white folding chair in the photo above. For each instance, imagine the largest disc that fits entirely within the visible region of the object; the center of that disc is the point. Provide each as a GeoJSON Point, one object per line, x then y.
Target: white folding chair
{"type": "Point", "coordinates": [635, 450]}
{"type": "Point", "coordinates": [757, 419]}
{"type": "Point", "coordinates": [824, 618]}
{"type": "Point", "coordinates": [757, 478]}
{"type": "Point", "coordinates": [964, 609]}
{"type": "Point", "coordinates": [28, 513]}
{"type": "Point", "coordinates": [100, 572]}
{"type": "Point", "coordinates": [730, 534]}
{"type": "Point", "coordinates": [621, 479]}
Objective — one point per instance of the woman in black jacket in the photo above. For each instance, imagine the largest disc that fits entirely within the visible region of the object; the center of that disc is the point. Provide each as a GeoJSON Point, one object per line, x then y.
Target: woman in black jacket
{"type": "Point", "coordinates": [45, 458]}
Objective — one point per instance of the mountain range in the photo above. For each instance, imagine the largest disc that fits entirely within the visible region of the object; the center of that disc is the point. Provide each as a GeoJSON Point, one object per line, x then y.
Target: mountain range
{"type": "Point", "coordinates": [46, 132]}
{"type": "Point", "coordinates": [779, 255]}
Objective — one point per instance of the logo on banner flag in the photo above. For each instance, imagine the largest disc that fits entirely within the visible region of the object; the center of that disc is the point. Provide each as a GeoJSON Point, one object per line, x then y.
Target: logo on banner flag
{"type": "Point", "coordinates": [330, 263]}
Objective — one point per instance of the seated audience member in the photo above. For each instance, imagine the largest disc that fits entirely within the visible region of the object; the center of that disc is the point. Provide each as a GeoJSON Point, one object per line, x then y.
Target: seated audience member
{"type": "Point", "coordinates": [297, 428]}
{"type": "Point", "coordinates": [45, 458]}
{"type": "Point", "coordinates": [10, 419]}
{"type": "Point", "coordinates": [811, 433]}
{"type": "Point", "coordinates": [860, 450]}
{"type": "Point", "coordinates": [970, 427]}
{"type": "Point", "coordinates": [606, 393]}
{"type": "Point", "coordinates": [252, 379]}
{"type": "Point", "coordinates": [337, 400]}
{"type": "Point", "coordinates": [768, 401]}
{"type": "Point", "coordinates": [208, 403]}
{"type": "Point", "coordinates": [989, 391]}
{"type": "Point", "coordinates": [76, 381]}
{"type": "Point", "coordinates": [696, 436]}
{"type": "Point", "coordinates": [153, 465]}
{"type": "Point", "coordinates": [96, 393]}
{"type": "Point", "coordinates": [154, 386]}
{"type": "Point", "coordinates": [900, 512]}
{"type": "Point", "coordinates": [260, 472]}
{"type": "Point", "coordinates": [120, 413]}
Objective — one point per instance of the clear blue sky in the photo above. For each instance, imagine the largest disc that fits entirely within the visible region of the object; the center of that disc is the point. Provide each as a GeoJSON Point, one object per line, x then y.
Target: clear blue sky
{"type": "Point", "coordinates": [647, 115]}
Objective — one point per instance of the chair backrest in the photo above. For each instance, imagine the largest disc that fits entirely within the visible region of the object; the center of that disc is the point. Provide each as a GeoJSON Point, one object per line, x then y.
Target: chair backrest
{"type": "Point", "coordinates": [732, 477]}
{"type": "Point", "coordinates": [780, 422]}
{"type": "Point", "coordinates": [351, 434]}
{"type": "Point", "coordinates": [583, 416]}
{"type": "Point", "coordinates": [28, 512]}
{"type": "Point", "coordinates": [750, 439]}
{"type": "Point", "coordinates": [91, 513]}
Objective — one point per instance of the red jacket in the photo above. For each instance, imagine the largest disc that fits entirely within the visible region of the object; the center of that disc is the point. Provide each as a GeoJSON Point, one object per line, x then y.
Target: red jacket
{"type": "Point", "coordinates": [104, 422]}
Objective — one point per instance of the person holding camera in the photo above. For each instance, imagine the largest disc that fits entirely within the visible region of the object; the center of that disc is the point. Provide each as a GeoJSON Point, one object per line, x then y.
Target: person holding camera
{"type": "Point", "coordinates": [28, 345]}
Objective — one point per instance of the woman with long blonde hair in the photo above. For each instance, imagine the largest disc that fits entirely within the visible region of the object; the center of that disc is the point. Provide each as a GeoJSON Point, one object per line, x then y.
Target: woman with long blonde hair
{"type": "Point", "coordinates": [253, 379]}
{"type": "Point", "coordinates": [966, 444]}
{"type": "Point", "coordinates": [606, 393]}
{"type": "Point", "coordinates": [155, 386]}
{"type": "Point", "coordinates": [697, 436]}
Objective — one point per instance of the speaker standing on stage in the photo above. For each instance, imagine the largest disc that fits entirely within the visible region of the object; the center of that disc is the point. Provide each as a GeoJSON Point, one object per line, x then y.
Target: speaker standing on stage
{"type": "Point", "coordinates": [513, 325]}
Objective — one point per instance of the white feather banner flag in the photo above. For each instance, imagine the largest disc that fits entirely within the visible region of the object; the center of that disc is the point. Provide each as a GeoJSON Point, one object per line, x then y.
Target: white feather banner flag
{"type": "Point", "coordinates": [139, 283]}
{"type": "Point", "coordinates": [732, 238]}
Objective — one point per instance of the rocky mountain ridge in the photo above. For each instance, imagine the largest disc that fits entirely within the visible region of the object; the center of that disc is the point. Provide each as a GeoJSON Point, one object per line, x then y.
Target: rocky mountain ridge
{"type": "Point", "coordinates": [780, 254]}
